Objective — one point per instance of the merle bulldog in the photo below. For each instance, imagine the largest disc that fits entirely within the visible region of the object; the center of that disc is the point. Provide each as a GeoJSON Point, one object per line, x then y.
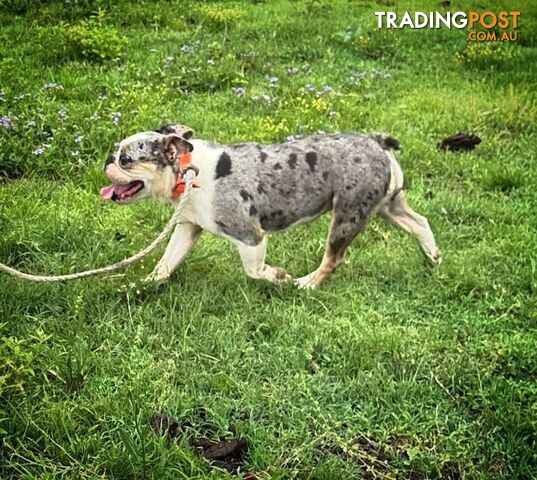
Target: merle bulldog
{"type": "Point", "coordinates": [247, 191]}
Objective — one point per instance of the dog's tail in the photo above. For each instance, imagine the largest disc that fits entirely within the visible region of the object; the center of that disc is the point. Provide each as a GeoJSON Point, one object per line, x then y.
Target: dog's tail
{"type": "Point", "coordinates": [387, 142]}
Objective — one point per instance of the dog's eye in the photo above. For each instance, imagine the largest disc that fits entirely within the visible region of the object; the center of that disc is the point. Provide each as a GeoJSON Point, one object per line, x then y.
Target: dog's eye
{"type": "Point", "coordinates": [124, 160]}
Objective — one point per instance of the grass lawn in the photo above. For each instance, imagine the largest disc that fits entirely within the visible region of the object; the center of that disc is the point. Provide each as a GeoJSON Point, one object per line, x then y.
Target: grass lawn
{"type": "Point", "coordinates": [391, 370]}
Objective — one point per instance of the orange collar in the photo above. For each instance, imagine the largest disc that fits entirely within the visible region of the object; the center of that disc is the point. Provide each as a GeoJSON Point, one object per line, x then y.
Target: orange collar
{"type": "Point", "coordinates": [184, 162]}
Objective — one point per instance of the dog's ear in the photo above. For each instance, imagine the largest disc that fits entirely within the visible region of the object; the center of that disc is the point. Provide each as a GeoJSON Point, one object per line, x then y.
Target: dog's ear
{"type": "Point", "coordinates": [181, 130]}
{"type": "Point", "coordinates": [184, 131]}
{"type": "Point", "coordinates": [175, 146]}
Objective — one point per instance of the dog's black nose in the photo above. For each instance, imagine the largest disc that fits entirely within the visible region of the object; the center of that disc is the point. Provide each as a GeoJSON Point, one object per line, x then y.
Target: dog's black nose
{"type": "Point", "coordinates": [109, 160]}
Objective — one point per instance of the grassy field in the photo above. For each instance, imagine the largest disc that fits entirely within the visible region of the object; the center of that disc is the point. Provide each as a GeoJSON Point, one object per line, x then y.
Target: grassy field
{"type": "Point", "coordinates": [391, 370]}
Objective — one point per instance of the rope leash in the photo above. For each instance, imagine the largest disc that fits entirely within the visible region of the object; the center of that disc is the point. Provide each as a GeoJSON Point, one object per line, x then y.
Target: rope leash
{"type": "Point", "coordinates": [189, 177]}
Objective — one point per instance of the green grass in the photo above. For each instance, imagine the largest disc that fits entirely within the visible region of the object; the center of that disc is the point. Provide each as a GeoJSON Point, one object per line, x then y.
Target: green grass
{"type": "Point", "coordinates": [391, 370]}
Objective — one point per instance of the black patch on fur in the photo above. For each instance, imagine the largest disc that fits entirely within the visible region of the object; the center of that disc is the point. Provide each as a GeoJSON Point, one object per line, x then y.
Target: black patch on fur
{"type": "Point", "coordinates": [223, 167]}
{"type": "Point", "coordinates": [277, 166]}
{"type": "Point", "coordinates": [141, 146]}
{"type": "Point", "coordinates": [245, 195]}
{"type": "Point", "coordinates": [337, 245]}
{"type": "Point", "coordinates": [165, 129]}
{"type": "Point", "coordinates": [386, 142]}
{"type": "Point", "coordinates": [357, 160]}
{"type": "Point", "coordinates": [263, 156]}
{"type": "Point", "coordinates": [253, 211]}
{"type": "Point", "coordinates": [292, 160]}
{"type": "Point", "coordinates": [261, 188]}
{"type": "Point", "coordinates": [348, 187]}
{"type": "Point", "coordinates": [311, 160]}
{"type": "Point", "coordinates": [325, 176]}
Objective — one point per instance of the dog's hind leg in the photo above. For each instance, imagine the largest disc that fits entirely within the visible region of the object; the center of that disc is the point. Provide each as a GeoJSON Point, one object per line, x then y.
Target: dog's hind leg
{"type": "Point", "coordinates": [398, 211]}
{"type": "Point", "coordinates": [253, 261]}
{"type": "Point", "coordinates": [343, 229]}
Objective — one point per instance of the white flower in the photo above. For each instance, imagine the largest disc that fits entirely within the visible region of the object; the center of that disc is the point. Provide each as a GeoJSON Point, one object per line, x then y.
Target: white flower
{"type": "Point", "coordinates": [116, 117]}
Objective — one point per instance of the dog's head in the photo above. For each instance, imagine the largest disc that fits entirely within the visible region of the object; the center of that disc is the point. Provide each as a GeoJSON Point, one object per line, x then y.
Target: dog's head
{"type": "Point", "coordinates": [145, 164]}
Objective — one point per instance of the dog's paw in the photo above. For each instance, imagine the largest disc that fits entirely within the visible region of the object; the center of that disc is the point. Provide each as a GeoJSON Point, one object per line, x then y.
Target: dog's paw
{"type": "Point", "coordinates": [277, 274]}
{"type": "Point", "coordinates": [307, 282]}
{"type": "Point", "coordinates": [158, 275]}
{"type": "Point", "coordinates": [435, 257]}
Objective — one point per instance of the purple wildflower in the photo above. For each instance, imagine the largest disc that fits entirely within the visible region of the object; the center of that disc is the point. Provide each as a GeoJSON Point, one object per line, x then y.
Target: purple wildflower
{"type": "Point", "coordinates": [292, 71]}
{"type": "Point", "coordinates": [327, 89]}
{"type": "Point", "coordinates": [6, 123]}
{"type": "Point", "coordinates": [42, 149]}
{"type": "Point", "coordinates": [310, 87]}
{"type": "Point", "coordinates": [239, 91]}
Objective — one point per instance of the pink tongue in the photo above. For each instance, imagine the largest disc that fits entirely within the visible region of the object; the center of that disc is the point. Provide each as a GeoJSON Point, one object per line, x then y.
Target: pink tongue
{"type": "Point", "coordinates": [108, 192]}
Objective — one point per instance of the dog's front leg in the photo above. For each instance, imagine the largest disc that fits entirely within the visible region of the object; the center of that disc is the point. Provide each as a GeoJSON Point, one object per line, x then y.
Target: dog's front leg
{"type": "Point", "coordinates": [253, 261]}
{"type": "Point", "coordinates": [183, 239]}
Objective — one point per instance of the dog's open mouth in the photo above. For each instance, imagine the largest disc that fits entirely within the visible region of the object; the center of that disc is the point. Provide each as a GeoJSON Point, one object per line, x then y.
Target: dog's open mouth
{"type": "Point", "coordinates": [122, 193]}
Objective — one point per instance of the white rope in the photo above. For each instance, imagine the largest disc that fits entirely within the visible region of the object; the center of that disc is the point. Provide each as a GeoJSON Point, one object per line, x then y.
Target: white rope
{"type": "Point", "coordinates": [189, 177]}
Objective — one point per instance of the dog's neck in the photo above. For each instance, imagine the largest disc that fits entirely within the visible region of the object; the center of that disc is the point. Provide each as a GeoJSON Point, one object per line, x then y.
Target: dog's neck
{"type": "Point", "coordinates": [183, 163]}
